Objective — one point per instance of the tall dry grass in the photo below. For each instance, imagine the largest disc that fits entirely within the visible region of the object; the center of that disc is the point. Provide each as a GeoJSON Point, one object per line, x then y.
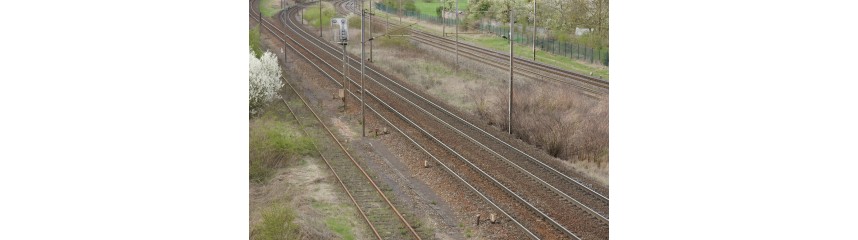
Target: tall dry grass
{"type": "Point", "coordinates": [566, 125]}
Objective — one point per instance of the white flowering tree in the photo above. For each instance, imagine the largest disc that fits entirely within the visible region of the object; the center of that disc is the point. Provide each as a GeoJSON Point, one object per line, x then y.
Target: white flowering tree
{"type": "Point", "coordinates": [264, 80]}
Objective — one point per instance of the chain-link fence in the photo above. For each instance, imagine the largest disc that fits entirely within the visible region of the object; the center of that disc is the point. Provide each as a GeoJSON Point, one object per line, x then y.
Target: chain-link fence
{"type": "Point", "coordinates": [566, 49]}
{"type": "Point", "coordinates": [559, 48]}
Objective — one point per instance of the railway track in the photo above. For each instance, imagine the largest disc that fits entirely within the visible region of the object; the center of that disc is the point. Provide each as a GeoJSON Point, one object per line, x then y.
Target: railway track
{"type": "Point", "coordinates": [535, 208]}
{"type": "Point", "coordinates": [556, 180]}
{"type": "Point", "coordinates": [531, 70]}
{"type": "Point", "coordinates": [374, 207]}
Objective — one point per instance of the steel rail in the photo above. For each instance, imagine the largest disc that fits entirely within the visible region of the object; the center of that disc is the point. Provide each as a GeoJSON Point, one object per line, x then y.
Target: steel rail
{"type": "Point", "coordinates": [520, 70]}
{"type": "Point", "coordinates": [502, 57]}
{"type": "Point", "coordinates": [533, 159]}
{"type": "Point", "coordinates": [551, 220]}
{"type": "Point", "coordinates": [398, 214]}
{"type": "Point", "coordinates": [540, 66]}
{"type": "Point", "coordinates": [501, 141]}
{"type": "Point", "coordinates": [543, 215]}
{"type": "Point", "coordinates": [509, 162]}
{"type": "Point", "coordinates": [327, 163]}
{"type": "Point", "coordinates": [449, 170]}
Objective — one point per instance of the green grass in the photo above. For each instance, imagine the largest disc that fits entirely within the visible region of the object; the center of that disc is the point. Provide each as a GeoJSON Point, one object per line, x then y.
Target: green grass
{"type": "Point", "coordinates": [267, 8]}
{"type": "Point", "coordinates": [429, 8]}
{"type": "Point", "coordinates": [335, 220]}
{"type": "Point", "coordinates": [340, 226]}
{"type": "Point", "coordinates": [272, 142]}
{"type": "Point", "coordinates": [255, 44]}
{"type": "Point", "coordinates": [311, 15]}
{"type": "Point", "coordinates": [501, 44]}
{"type": "Point", "coordinates": [277, 223]}
{"type": "Point", "coordinates": [526, 52]}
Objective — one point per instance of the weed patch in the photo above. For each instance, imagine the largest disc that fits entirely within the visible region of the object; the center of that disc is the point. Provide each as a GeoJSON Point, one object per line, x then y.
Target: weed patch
{"type": "Point", "coordinates": [278, 222]}
{"type": "Point", "coordinates": [343, 225]}
{"type": "Point", "coordinates": [311, 15]}
{"type": "Point", "coordinates": [271, 143]}
{"type": "Point", "coordinates": [567, 126]}
{"type": "Point", "coordinates": [269, 8]}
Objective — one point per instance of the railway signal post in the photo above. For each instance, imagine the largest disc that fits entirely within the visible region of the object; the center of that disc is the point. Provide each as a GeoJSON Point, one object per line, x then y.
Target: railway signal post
{"type": "Point", "coordinates": [340, 27]}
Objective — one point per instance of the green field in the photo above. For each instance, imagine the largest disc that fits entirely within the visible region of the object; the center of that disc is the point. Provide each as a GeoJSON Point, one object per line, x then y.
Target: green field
{"type": "Point", "coordinates": [311, 14]}
{"type": "Point", "coordinates": [268, 8]}
{"type": "Point", "coordinates": [429, 8]}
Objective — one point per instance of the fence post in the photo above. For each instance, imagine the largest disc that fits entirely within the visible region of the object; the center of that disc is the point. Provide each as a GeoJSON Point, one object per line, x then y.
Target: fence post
{"type": "Point", "coordinates": [606, 58]}
{"type": "Point", "coordinates": [565, 48]}
{"type": "Point", "coordinates": [591, 56]}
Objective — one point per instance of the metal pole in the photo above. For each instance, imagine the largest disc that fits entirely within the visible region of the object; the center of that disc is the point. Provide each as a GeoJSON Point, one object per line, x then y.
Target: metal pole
{"type": "Point", "coordinates": [457, 35]}
{"type": "Point", "coordinates": [345, 78]}
{"type": "Point", "coordinates": [387, 18]}
{"type": "Point", "coordinates": [443, 21]}
{"type": "Point", "coordinates": [362, 88]}
{"type": "Point", "coordinates": [320, 19]}
{"type": "Point", "coordinates": [370, 30]}
{"type": "Point", "coordinates": [509, 117]}
{"type": "Point", "coordinates": [534, 31]}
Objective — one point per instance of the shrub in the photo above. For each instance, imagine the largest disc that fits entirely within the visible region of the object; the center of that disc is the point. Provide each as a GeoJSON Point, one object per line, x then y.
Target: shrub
{"type": "Point", "coordinates": [566, 126]}
{"type": "Point", "coordinates": [264, 80]}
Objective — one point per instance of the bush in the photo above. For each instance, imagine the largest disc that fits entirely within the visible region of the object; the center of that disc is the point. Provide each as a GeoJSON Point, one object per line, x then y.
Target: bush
{"type": "Point", "coordinates": [566, 126]}
{"type": "Point", "coordinates": [264, 80]}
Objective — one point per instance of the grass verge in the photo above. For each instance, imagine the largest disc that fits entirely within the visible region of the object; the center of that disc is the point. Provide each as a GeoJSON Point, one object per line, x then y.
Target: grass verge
{"type": "Point", "coordinates": [428, 8]}
{"type": "Point", "coordinates": [500, 44]}
{"type": "Point", "coordinates": [271, 144]}
{"type": "Point", "coordinates": [526, 52]}
{"type": "Point", "coordinates": [255, 44]}
{"type": "Point", "coordinates": [336, 222]}
{"type": "Point", "coordinates": [269, 7]}
{"type": "Point", "coordinates": [278, 222]}
{"type": "Point", "coordinates": [311, 14]}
